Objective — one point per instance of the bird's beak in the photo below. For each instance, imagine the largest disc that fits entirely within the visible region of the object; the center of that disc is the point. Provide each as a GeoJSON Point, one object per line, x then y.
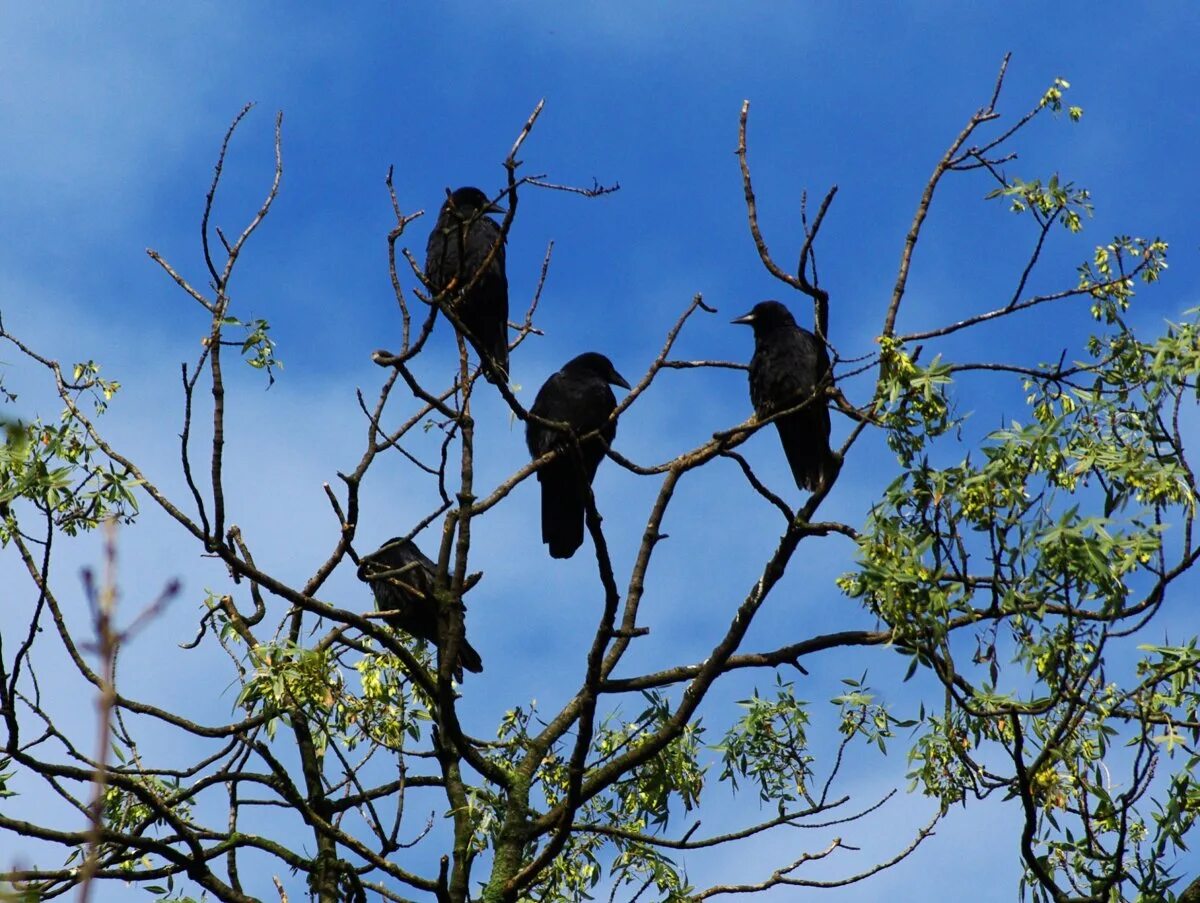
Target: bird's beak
{"type": "Point", "coordinates": [744, 319]}
{"type": "Point", "coordinates": [618, 380]}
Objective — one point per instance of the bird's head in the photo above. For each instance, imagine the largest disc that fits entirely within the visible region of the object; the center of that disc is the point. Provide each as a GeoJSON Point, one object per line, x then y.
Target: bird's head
{"type": "Point", "coordinates": [469, 202]}
{"type": "Point", "coordinates": [765, 316]}
{"type": "Point", "coordinates": [596, 364]}
{"type": "Point", "coordinates": [393, 554]}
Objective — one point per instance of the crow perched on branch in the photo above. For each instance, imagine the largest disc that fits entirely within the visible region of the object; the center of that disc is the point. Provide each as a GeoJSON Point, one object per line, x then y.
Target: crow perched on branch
{"type": "Point", "coordinates": [790, 365]}
{"type": "Point", "coordinates": [402, 579]}
{"type": "Point", "coordinates": [579, 395]}
{"type": "Point", "coordinates": [460, 242]}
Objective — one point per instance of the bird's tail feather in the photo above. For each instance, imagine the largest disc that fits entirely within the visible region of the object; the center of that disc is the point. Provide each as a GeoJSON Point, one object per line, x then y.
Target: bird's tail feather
{"type": "Point", "coordinates": [468, 658]}
{"type": "Point", "coordinates": [562, 513]}
{"type": "Point", "coordinates": [812, 462]}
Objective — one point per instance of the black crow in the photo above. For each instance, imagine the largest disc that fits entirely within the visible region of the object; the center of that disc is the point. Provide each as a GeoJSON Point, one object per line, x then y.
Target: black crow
{"type": "Point", "coordinates": [579, 395]}
{"type": "Point", "coordinates": [402, 579]}
{"type": "Point", "coordinates": [460, 242]}
{"type": "Point", "coordinates": [790, 365]}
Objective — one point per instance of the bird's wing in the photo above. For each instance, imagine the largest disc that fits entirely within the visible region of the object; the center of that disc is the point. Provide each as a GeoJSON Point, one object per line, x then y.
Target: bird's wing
{"type": "Point", "coordinates": [786, 369]}
{"type": "Point", "coordinates": [441, 255]}
{"type": "Point", "coordinates": [552, 403]}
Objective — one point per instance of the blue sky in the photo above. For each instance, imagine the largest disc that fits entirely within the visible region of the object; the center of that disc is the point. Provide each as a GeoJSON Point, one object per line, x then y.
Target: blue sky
{"type": "Point", "coordinates": [112, 117]}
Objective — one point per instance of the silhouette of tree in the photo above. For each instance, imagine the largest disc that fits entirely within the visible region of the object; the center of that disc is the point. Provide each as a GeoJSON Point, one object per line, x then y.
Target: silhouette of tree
{"type": "Point", "coordinates": [1008, 578]}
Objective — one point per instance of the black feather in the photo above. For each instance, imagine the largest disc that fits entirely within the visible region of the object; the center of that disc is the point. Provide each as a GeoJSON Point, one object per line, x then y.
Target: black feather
{"type": "Point", "coordinates": [402, 580]}
{"type": "Point", "coordinates": [579, 395]}
{"type": "Point", "coordinates": [458, 247]}
{"type": "Point", "coordinates": [790, 365]}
